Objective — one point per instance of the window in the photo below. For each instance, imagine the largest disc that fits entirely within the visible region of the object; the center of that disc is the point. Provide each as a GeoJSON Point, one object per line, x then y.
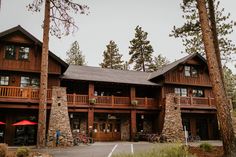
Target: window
{"type": "Point", "coordinates": [35, 82]}
{"type": "Point", "coordinates": [24, 81]}
{"type": "Point", "coordinates": [10, 52]}
{"type": "Point", "coordinates": [187, 71]}
{"type": "Point", "coordinates": [24, 53]}
{"type": "Point", "coordinates": [190, 71]}
{"type": "Point", "coordinates": [4, 80]}
{"type": "Point", "coordinates": [198, 93]}
{"type": "Point", "coordinates": [28, 81]}
{"type": "Point", "coordinates": [181, 91]}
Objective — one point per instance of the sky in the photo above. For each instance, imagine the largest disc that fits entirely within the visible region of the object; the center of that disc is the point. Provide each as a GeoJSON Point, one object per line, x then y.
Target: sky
{"type": "Point", "coordinates": [111, 20]}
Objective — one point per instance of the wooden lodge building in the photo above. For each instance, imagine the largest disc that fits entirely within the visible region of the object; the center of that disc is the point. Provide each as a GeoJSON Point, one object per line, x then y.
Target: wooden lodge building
{"type": "Point", "coordinates": [115, 104]}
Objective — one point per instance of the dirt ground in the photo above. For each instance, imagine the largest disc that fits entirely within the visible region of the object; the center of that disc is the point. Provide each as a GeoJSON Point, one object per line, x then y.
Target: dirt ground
{"type": "Point", "coordinates": [217, 151]}
{"type": "Point", "coordinates": [12, 153]}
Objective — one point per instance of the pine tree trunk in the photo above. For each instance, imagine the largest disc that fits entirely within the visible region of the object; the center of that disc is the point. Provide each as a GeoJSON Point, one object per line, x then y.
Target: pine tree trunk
{"type": "Point", "coordinates": [215, 35]}
{"type": "Point", "coordinates": [41, 137]}
{"type": "Point", "coordinates": [223, 110]}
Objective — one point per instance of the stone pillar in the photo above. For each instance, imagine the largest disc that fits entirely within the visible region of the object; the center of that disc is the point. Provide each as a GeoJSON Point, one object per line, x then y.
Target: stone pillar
{"type": "Point", "coordinates": [59, 119]}
{"type": "Point", "coordinates": [173, 128]}
{"type": "Point", "coordinates": [133, 124]}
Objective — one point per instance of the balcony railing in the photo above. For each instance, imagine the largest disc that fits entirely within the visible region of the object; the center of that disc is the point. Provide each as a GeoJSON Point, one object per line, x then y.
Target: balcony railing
{"type": "Point", "coordinates": [22, 93]}
{"type": "Point", "coordinates": [197, 102]}
{"type": "Point", "coordinates": [32, 95]}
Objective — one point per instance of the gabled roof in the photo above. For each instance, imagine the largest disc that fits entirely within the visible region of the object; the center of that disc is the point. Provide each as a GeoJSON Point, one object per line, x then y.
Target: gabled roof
{"type": "Point", "coordinates": [22, 30]}
{"type": "Point", "coordinates": [89, 73]}
{"type": "Point", "coordinates": [172, 65]}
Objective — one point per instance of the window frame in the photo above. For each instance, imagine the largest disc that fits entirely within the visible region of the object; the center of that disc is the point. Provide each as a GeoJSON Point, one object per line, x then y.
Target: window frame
{"type": "Point", "coordinates": [180, 91]}
{"type": "Point", "coordinates": [8, 81]}
{"type": "Point", "coordinates": [197, 93]}
{"type": "Point", "coordinates": [6, 52]}
{"type": "Point", "coordinates": [22, 52]}
{"type": "Point", "coordinates": [191, 71]}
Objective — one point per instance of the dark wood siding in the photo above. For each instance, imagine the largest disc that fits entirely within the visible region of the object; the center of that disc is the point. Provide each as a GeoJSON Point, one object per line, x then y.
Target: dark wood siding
{"type": "Point", "coordinates": [30, 65]}
{"type": "Point", "coordinates": [177, 76]}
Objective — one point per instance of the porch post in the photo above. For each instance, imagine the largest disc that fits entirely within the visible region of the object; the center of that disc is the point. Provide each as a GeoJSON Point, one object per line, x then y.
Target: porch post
{"type": "Point", "coordinates": [132, 93]}
{"type": "Point", "coordinates": [133, 124]}
{"type": "Point", "coordinates": [90, 118]}
{"type": "Point", "coordinates": [91, 90]}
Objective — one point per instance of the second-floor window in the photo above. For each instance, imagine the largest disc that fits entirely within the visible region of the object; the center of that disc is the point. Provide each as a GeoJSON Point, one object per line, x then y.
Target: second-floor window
{"type": "Point", "coordinates": [181, 91]}
{"type": "Point", "coordinates": [198, 93]}
{"type": "Point", "coordinates": [190, 71]}
{"type": "Point", "coordinates": [24, 53]}
{"type": "Point", "coordinates": [10, 52]}
{"type": "Point", "coordinates": [26, 81]}
{"type": "Point", "coordinates": [4, 80]}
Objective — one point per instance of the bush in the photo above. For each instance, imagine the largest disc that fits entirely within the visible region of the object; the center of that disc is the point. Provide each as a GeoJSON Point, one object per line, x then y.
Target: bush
{"type": "Point", "coordinates": [22, 152]}
{"type": "Point", "coordinates": [3, 150]}
{"type": "Point", "coordinates": [206, 147]}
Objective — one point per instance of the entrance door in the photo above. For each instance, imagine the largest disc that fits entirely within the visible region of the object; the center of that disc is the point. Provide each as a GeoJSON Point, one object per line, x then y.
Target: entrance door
{"type": "Point", "coordinates": [202, 129]}
{"type": "Point", "coordinates": [107, 130]}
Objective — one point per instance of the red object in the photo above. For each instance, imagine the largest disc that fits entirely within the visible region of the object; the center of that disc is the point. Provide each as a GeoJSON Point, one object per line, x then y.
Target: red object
{"type": "Point", "coordinates": [2, 123]}
{"type": "Point", "coordinates": [24, 122]}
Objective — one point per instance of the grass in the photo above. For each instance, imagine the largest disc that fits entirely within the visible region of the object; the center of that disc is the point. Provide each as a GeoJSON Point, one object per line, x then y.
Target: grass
{"type": "Point", "coordinates": [164, 150]}
{"type": "Point", "coordinates": [206, 147]}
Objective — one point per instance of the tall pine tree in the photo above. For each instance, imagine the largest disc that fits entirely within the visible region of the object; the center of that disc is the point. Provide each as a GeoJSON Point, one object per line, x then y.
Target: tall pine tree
{"type": "Point", "coordinates": [159, 62]}
{"type": "Point", "coordinates": [74, 55]}
{"type": "Point", "coordinates": [112, 57]}
{"type": "Point", "coordinates": [190, 31]}
{"type": "Point", "coordinates": [141, 51]}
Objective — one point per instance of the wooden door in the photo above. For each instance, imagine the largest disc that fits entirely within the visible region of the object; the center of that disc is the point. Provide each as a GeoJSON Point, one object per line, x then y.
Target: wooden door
{"type": "Point", "coordinates": [107, 130]}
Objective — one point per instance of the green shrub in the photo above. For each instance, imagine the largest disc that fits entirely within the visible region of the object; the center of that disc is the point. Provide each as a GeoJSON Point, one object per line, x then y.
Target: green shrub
{"type": "Point", "coordinates": [206, 147]}
{"type": "Point", "coordinates": [3, 150]}
{"type": "Point", "coordinates": [22, 152]}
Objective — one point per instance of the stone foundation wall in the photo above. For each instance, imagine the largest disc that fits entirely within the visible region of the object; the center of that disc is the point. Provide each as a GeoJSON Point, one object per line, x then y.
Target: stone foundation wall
{"type": "Point", "coordinates": [125, 129]}
{"type": "Point", "coordinates": [59, 119]}
{"type": "Point", "coordinates": [173, 128]}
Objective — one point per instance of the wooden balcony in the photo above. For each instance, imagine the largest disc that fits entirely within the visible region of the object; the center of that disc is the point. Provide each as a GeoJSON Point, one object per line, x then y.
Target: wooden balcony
{"type": "Point", "coordinates": [197, 102]}
{"type": "Point", "coordinates": [110, 101]}
{"type": "Point", "coordinates": [21, 94]}
{"type": "Point", "coordinates": [31, 95]}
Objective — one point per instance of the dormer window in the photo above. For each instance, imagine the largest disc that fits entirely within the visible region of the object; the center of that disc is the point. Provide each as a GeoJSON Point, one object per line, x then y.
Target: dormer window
{"type": "Point", "coordinates": [190, 71]}
{"type": "Point", "coordinates": [10, 52]}
{"type": "Point", "coordinates": [24, 53]}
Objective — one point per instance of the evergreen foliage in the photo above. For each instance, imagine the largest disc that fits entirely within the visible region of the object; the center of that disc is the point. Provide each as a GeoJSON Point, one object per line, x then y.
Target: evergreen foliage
{"type": "Point", "coordinates": [190, 32]}
{"type": "Point", "coordinates": [159, 62]}
{"type": "Point", "coordinates": [140, 51]}
{"type": "Point", "coordinates": [230, 84]}
{"type": "Point", "coordinates": [74, 55]}
{"type": "Point", "coordinates": [112, 57]}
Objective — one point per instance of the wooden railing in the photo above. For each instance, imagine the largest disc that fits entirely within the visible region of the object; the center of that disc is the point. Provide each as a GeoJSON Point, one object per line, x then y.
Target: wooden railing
{"type": "Point", "coordinates": [197, 101]}
{"type": "Point", "coordinates": [73, 99]}
{"type": "Point", "coordinates": [121, 100]}
{"type": "Point", "coordinates": [22, 93]}
{"type": "Point", "coordinates": [32, 94]}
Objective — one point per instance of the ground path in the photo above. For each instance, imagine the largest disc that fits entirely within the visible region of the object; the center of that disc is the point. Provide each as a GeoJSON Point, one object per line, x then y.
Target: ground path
{"type": "Point", "coordinates": [107, 149]}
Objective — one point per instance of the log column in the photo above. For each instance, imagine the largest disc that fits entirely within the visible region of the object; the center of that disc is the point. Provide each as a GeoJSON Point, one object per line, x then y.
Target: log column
{"type": "Point", "coordinates": [90, 109]}
{"type": "Point", "coordinates": [133, 124]}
